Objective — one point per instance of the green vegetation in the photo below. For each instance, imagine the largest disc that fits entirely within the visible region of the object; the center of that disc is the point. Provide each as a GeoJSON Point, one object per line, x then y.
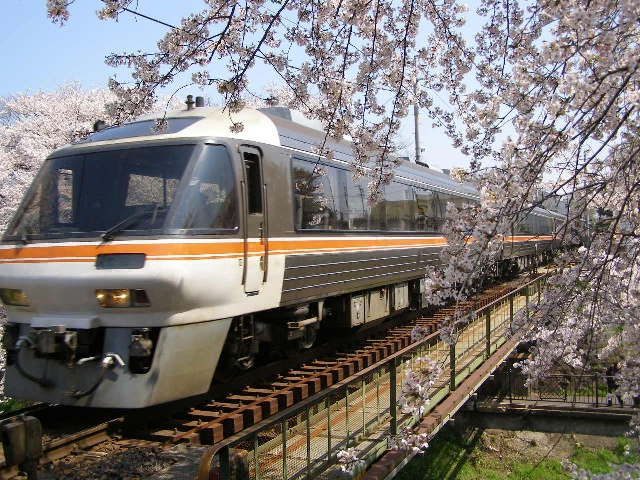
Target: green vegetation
{"type": "Point", "coordinates": [9, 405]}
{"type": "Point", "coordinates": [473, 454]}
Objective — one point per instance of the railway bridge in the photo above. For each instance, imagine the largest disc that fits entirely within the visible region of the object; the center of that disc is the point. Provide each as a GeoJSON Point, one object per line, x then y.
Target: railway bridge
{"type": "Point", "coordinates": [360, 413]}
{"type": "Point", "coordinates": [302, 430]}
{"type": "Point", "coordinates": [300, 425]}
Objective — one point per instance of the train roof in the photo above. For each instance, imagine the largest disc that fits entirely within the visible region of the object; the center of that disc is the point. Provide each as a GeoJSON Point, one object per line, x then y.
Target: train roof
{"type": "Point", "coordinates": [201, 122]}
{"type": "Point", "coordinates": [276, 126]}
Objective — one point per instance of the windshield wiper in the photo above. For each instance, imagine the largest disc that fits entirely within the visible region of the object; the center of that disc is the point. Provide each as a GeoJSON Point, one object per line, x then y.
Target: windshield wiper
{"type": "Point", "coordinates": [24, 235]}
{"type": "Point", "coordinates": [111, 233]}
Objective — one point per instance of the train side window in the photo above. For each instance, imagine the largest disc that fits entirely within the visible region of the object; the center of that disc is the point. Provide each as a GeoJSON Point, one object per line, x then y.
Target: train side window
{"type": "Point", "coordinates": [321, 196]}
{"type": "Point", "coordinates": [400, 207]}
{"type": "Point", "coordinates": [428, 214]}
{"type": "Point", "coordinates": [326, 198]}
{"type": "Point", "coordinates": [254, 182]}
{"type": "Point", "coordinates": [363, 216]}
{"type": "Point", "coordinates": [309, 194]}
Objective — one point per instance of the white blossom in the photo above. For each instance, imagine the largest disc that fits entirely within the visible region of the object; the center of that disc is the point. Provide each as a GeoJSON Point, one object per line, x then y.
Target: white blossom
{"type": "Point", "coordinates": [408, 440]}
{"type": "Point", "coordinates": [420, 375]}
{"type": "Point", "coordinates": [349, 461]}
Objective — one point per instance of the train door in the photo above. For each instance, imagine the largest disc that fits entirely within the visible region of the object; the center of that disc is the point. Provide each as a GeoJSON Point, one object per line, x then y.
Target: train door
{"type": "Point", "coordinates": [256, 239]}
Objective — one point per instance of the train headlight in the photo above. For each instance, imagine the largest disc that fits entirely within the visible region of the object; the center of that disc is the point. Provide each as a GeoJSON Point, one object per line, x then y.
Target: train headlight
{"type": "Point", "coordinates": [14, 297]}
{"type": "Point", "coordinates": [122, 298]}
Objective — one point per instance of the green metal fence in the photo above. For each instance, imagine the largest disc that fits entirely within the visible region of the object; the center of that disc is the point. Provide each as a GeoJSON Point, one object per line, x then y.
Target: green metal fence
{"type": "Point", "coordinates": [566, 388]}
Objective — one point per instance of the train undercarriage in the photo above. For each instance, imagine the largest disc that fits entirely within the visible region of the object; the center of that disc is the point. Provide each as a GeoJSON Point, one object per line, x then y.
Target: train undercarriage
{"type": "Point", "coordinates": [288, 330]}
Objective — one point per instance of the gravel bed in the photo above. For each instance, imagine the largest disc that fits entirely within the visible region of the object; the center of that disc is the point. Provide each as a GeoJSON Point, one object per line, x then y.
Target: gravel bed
{"type": "Point", "coordinates": [111, 461]}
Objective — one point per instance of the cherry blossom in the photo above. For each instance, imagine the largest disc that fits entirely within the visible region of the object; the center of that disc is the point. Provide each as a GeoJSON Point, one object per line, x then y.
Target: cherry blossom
{"type": "Point", "coordinates": [349, 461]}
{"type": "Point", "coordinates": [420, 375]}
{"type": "Point", "coordinates": [408, 440]}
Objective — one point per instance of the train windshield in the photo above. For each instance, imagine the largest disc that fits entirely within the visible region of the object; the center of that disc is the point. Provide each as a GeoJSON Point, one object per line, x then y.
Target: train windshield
{"type": "Point", "coordinates": [168, 189]}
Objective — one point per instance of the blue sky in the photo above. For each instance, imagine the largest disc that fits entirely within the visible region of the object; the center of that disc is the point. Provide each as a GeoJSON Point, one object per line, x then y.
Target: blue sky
{"type": "Point", "coordinates": [38, 54]}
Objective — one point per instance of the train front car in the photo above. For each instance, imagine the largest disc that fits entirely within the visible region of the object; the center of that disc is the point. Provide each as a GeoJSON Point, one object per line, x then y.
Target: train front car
{"type": "Point", "coordinates": [127, 260]}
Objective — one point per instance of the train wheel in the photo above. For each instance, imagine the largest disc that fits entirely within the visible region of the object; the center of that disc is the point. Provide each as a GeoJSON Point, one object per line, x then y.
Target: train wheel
{"type": "Point", "coordinates": [247, 362]}
{"type": "Point", "coordinates": [309, 337]}
{"type": "Point", "coordinates": [290, 348]}
{"type": "Point", "coordinates": [225, 370]}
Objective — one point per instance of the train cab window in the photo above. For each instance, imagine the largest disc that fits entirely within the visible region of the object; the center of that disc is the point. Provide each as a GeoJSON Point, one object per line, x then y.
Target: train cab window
{"type": "Point", "coordinates": [146, 190]}
{"type": "Point", "coordinates": [208, 199]}
{"type": "Point", "coordinates": [254, 181]}
{"type": "Point", "coordinates": [65, 196]}
{"type": "Point", "coordinates": [149, 189]}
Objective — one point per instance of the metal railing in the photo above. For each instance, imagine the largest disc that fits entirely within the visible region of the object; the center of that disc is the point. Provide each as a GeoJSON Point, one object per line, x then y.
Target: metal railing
{"type": "Point", "coordinates": [583, 389]}
{"type": "Point", "coordinates": [303, 441]}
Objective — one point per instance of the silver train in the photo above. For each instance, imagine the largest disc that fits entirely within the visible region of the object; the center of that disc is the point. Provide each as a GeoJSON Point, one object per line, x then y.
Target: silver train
{"type": "Point", "coordinates": [143, 262]}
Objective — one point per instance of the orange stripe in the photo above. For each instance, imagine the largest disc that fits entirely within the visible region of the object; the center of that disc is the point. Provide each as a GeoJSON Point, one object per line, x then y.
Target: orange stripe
{"type": "Point", "coordinates": [338, 244]}
{"type": "Point", "coordinates": [83, 253]}
{"type": "Point", "coordinates": [529, 238]}
{"type": "Point", "coordinates": [211, 250]}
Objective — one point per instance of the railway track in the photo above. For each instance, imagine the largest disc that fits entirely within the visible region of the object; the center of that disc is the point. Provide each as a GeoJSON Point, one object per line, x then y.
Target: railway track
{"type": "Point", "coordinates": [228, 408]}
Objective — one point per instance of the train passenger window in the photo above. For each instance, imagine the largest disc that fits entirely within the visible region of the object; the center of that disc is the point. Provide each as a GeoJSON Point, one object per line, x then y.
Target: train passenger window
{"type": "Point", "coordinates": [326, 198]}
{"type": "Point", "coordinates": [309, 189]}
{"type": "Point", "coordinates": [362, 215]}
{"type": "Point", "coordinates": [322, 201]}
{"type": "Point", "coordinates": [428, 212]}
{"type": "Point", "coordinates": [400, 207]}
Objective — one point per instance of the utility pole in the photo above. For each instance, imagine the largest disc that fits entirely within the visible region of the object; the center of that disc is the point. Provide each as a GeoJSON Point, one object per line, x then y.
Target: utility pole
{"type": "Point", "coordinates": [416, 113]}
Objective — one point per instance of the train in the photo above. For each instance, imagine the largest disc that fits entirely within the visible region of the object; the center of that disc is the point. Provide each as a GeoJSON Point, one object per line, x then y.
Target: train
{"type": "Point", "coordinates": [153, 258]}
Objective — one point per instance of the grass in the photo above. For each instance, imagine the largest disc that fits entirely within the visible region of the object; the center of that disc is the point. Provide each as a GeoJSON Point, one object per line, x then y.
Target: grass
{"type": "Point", "coordinates": [9, 405]}
{"type": "Point", "coordinates": [468, 456]}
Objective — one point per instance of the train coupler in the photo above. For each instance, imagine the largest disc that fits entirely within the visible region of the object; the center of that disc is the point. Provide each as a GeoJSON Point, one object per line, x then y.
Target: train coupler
{"type": "Point", "coordinates": [21, 344]}
{"type": "Point", "coordinates": [110, 360]}
{"type": "Point", "coordinates": [141, 348]}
